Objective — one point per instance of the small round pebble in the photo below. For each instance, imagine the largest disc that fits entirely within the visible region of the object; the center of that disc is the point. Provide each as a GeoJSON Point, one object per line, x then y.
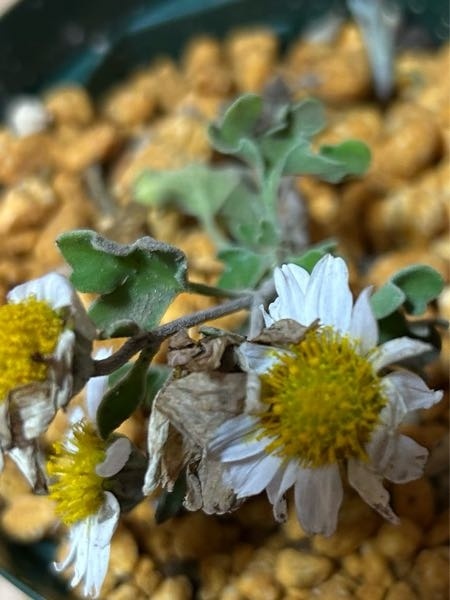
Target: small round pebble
{"type": "Point", "coordinates": [398, 542]}
{"type": "Point", "coordinates": [298, 569]}
{"type": "Point", "coordinates": [174, 588]}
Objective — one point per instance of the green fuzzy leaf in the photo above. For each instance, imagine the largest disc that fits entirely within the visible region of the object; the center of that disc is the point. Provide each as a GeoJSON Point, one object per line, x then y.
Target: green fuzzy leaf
{"type": "Point", "coordinates": [94, 270]}
{"type": "Point", "coordinates": [354, 155]}
{"type": "Point", "coordinates": [331, 164]}
{"type": "Point", "coordinates": [421, 284]}
{"type": "Point", "coordinates": [386, 300]}
{"type": "Point", "coordinates": [308, 117]}
{"type": "Point", "coordinates": [124, 397]}
{"type": "Point", "coordinates": [245, 217]}
{"type": "Point", "coordinates": [236, 124]}
{"type": "Point", "coordinates": [198, 190]}
{"type": "Point", "coordinates": [243, 268]}
{"type": "Point", "coordinates": [143, 278]}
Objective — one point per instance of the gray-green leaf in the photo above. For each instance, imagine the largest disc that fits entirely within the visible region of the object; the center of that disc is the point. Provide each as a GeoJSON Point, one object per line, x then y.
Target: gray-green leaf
{"type": "Point", "coordinates": [137, 282]}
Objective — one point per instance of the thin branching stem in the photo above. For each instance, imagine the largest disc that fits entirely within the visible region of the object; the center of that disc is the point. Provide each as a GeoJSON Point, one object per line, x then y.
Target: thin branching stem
{"type": "Point", "coordinates": [154, 338]}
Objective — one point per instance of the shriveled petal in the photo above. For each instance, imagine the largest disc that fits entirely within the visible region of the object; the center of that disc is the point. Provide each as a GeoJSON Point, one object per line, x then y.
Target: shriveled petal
{"type": "Point", "coordinates": [232, 432]}
{"type": "Point", "coordinates": [157, 435]}
{"type": "Point", "coordinates": [256, 358]}
{"type": "Point", "coordinates": [117, 455]}
{"type": "Point", "coordinates": [363, 325]}
{"type": "Point", "coordinates": [414, 391]}
{"type": "Point", "coordinates": [31, 409]}
{"type": "Point", "coordinates": [290, 283]}
{"type": "Point", "coordinates": [283, 479]}
{"type": "Point", "coordinates": [30, 462]}
{"type": "Point", "coordinates": [60, 371]}
{"type": "Point", "coordinates": [369, 486]}
{"type": "Point", "coordinates": [5, 432]}
{"type": "Point", "coordinates": [318, 497]}
{"type": "Point", "coordinates": [397, 350]}
{"type": "Point", "coordinates": [407, 460]}
{"type": "Point", "coordinates": [328, 296]}
{"type": "Point", "coordinates": [251, 476]}
{"type": "Point", "coordinates": [90, 547]}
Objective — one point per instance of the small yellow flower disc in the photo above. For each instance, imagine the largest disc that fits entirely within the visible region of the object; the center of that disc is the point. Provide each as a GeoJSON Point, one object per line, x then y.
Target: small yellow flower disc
{"type": "Point", "coordinates": [323, 401]}
{"type": "Point", "coordinates": [28, 330]}
{"type": "Point", "coordinates": [77, 489]}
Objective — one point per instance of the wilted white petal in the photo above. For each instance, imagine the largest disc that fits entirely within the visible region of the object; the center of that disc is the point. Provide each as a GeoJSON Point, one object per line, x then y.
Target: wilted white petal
{"type": "Point", "coordinates": [407, 461]}
{"type": "Point", "coordinates": [363, 325]}
{"type": "Point", "coordinates": [232, 431]}
{"type": "Point", "coordinates": [369, 486]}
{"type": "Point", "coordinates": [157, 434]}
{"type": "Point", "coordinates": [328, 296]}
{"type": "Point", "coordinates": [116, 458]}
{"type": "Point", "coordinates": [31, 409]}
{"type": "Point", "coordinates": [249, 477]}
{"type": "Point", "coordinates": [318, 497]}
{"type": "Point", "coordinates": [397, 350]}
{"type": "Point", "coordinates": [283, 479]}
{"type": "Point", "coordinates": [256, 358]}
{"type": "Point", "coordinates": [414, 391]}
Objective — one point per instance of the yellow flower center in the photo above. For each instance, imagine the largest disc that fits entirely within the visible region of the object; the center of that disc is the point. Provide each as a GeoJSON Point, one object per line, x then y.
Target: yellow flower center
{"type": "Point", "coordinates": [323, 401]}
{"type": "Point", "coordinates": [77, 489]}
{"type": "Point", "coordinates": [29, 331]}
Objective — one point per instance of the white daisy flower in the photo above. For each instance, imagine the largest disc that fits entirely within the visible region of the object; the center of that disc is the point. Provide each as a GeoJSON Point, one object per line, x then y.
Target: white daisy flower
{"type": "Point", "coordinates": [79, 467]}
{"type": "Point", "coordinates": [326, 404]}
{"type": "Point", "coordinates": [45, 345]}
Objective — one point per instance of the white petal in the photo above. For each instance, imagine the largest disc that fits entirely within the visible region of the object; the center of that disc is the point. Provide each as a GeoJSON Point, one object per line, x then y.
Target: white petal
{"type": "Point", "coordinates": [250, 477]}
{"type": "Point", "coordinates": [232, 431]}
{"type": "Point", "coordinates": [363, 325]}
{"type": "Point", "coordinates": [380, 448]}
{"type": "Point", "coordinates": [95, 390]}
{"type": "Point", "coordinates": [398, 349]}
{"type": "Point", "coordinates": [290, 283]}
{"type": "Point", "coordinates": [96, 387]}
{"type": "Point", "coordinates": [284, 479]}
{"type": "Point", "coordinates": [407, 460]}
{"type": "Point", "coordinates": [117, 455]}
{"type": "Point", "coordinates": [256, 358]}
{"type": "Point", "coordinates": [328, 296]}
{"type": "Point", "coordinates": [90, 547]}
{"type": "Point", "coordinates": [369, 486]}
{"type": "Point", "coordinates": [318, 497]}
{"type": "Point", "coordinates": [244, 448]}
{"type": "Point", "coordinates": [414, 391]}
